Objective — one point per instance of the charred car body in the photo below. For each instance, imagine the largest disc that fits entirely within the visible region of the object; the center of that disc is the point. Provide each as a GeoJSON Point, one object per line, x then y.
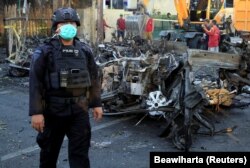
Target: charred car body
{"type": "Point", "coordinates": [161, 82]}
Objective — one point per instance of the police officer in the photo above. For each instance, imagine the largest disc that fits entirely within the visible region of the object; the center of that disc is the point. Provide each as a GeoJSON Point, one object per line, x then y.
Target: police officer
{"type": "Point", "coordinates": [63, 85]}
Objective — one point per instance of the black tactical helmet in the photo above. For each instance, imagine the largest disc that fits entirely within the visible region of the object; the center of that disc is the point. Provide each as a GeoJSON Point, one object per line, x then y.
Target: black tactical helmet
{"type": "Point", "coordinates": [65, 14]}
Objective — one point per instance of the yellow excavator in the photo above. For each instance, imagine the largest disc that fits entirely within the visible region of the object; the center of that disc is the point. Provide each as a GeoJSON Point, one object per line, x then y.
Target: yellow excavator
{"type": "Point", "coordinates": [241, 18]}
{"type": "Point", "coordinates": [195, 11]}
{"type": "Point", "coordinates": [192, 13]}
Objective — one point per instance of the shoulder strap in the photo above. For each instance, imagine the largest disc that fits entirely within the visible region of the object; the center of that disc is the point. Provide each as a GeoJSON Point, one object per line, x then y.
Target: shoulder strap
{"type": "Point", "coordinates": [88, 54]}
{"type": "Point", "coordinates": [50, 46]}
{"type": "Point", "coordinates": [85, 48]}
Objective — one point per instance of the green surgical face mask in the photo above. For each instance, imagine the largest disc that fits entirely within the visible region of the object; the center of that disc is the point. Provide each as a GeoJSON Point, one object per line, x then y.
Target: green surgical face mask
{"type": "Point", "coordinates": [68, 32]}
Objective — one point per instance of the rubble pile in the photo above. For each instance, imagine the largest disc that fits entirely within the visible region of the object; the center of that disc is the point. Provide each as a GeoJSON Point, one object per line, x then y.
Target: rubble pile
{"type": "Point", "coordinates": [168, 80]}
{"type": "Point", "coordinates": [19, 61]}
{"type": "Point", "coordinates": [163, 80]}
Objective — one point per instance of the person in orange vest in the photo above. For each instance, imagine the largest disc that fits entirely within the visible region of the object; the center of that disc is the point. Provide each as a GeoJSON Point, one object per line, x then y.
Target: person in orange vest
{"type": "Point", "coordinates": [149, 28]}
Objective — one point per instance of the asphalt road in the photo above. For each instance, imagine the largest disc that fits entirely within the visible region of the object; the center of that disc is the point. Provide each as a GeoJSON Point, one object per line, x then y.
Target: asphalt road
{"type": "Point", "coordinates": [116, 141]}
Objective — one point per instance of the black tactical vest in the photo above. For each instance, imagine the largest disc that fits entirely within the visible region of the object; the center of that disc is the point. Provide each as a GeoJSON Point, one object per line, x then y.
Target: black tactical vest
{"type": "Point", "coordinates": [68, 67]}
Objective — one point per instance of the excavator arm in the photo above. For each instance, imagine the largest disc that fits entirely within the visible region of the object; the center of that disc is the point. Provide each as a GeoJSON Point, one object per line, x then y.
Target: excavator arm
{"type": "Point", "coordinates": [197, 11]}
{"type": "Point", "coordinates": [182, 11]}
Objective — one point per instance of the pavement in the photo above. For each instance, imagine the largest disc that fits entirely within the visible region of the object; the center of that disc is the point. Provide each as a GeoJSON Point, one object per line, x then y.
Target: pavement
{"type": "Point", "coordinates": [116, 141]}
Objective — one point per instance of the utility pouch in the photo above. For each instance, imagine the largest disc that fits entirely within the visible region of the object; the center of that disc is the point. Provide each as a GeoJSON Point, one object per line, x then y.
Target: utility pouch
{"type": "Point", "coordinates": [74, 78]}
{"type": "Point", "coordinates": [64, 74]}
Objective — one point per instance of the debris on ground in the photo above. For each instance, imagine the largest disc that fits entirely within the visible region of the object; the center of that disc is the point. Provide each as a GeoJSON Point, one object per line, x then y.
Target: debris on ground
{"type": "Point", "coordinates": [241, 100]}
{"type": "Point", "coordinates": [164, 80]}
{"type": "Point", "coordinates": [2, 125]}
{"type": "Point", "coordinates": [156, 81]}
{"type": "Point", "coordinates": [101, 144]}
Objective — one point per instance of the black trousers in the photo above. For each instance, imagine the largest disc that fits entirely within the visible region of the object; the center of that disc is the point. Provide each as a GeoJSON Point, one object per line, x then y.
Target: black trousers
{"type": "Point", "coordinates": [120, 33]}
{"type": "Point", "coordinates": [76, 127]}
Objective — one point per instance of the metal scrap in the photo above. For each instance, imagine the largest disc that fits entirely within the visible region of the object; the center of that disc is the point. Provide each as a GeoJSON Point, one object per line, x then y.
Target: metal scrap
{"type": "Point", "coordinates": [169, 81]}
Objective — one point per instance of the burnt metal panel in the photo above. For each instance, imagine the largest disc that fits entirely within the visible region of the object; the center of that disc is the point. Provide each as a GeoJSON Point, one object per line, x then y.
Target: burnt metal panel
{"type": "Point", "coordinates": [213, 59]}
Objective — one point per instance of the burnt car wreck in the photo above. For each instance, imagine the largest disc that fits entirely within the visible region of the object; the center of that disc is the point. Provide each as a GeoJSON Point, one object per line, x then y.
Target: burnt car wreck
{"type": "Point", "coordinates": [166, 80]}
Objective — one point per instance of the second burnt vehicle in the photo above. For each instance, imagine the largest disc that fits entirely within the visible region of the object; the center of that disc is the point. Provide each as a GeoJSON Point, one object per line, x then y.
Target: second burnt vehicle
{"type": "Point", "coordinates": [159, 82]}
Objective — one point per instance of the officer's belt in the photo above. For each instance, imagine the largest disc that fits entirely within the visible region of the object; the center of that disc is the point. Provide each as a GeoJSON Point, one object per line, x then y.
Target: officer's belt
{"type": "Point", "coordinates": [65, 100]}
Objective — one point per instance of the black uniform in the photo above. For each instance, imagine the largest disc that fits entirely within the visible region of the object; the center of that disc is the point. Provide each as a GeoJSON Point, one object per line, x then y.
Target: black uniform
{"type": "Point", "coordinates": [63, 84]}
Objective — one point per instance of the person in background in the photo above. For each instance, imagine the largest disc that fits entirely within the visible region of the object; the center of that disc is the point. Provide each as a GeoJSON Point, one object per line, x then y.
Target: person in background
{"type": "Point", "coordinates": [104, 23]}
{"type": "Point", "coordinates": [228, 23]}
{"type": "Point", "coordinates": [149, 28]}
{"type": "Point", "coordinates": [121, 26]}
{"type": "Point", "coordinates": [169, 23]}
{"type": "Point", "coordinates": [168, 15]}
{"type": "Point", "coordinates": [213, 35]}
{"type": "Point", "coordinates": [63, 85]}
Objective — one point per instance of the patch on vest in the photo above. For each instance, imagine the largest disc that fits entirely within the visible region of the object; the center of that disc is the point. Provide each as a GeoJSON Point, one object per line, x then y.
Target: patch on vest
{"type": "Point", "coordinates": [70, 52]}
{"type": "Point", "coordinates": [74, 78]}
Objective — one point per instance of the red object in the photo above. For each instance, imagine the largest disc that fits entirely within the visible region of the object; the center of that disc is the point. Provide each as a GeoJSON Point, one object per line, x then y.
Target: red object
{"type": "Point", "coordinates": [150, 25]}
{"type": "Point", "coordinates": [121, 24]}
{"type": "Point", "coordinates": [217, 31]}
{"type": "Point", "coordinates": [214, 36]}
